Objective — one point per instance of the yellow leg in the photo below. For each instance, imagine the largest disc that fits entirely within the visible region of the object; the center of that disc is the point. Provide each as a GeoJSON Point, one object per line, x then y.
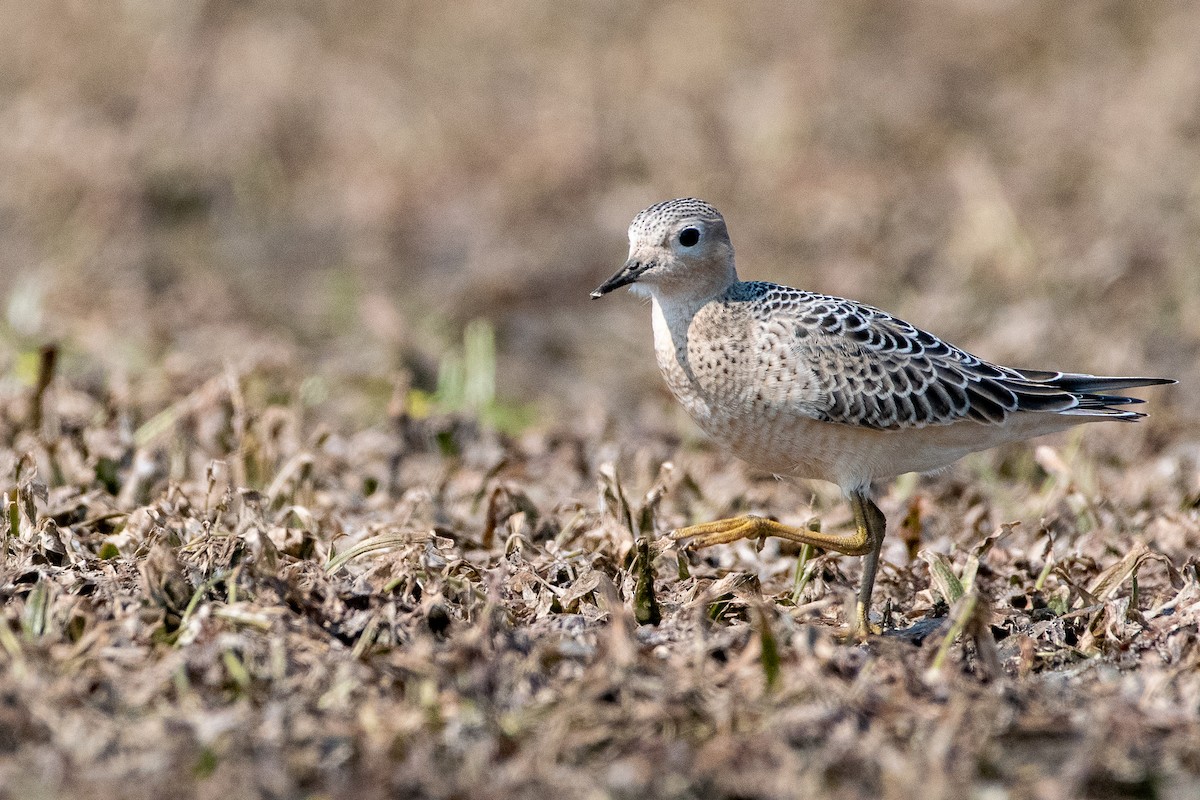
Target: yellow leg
{"type": "Point", "coordinates": [869, 520]}
{"type": "Point", "coordinates": [867, 539]}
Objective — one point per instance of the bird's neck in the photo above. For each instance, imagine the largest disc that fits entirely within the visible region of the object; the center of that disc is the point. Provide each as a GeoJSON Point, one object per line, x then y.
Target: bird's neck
{"type": "Point", "coordinates": [672, 316]}
{"type": "Point", "coordinates": [685, 294]}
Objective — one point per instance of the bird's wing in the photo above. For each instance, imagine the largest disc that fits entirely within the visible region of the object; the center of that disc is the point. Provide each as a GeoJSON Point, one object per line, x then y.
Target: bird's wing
{"type": "Point", "coordinates": [873, 370]}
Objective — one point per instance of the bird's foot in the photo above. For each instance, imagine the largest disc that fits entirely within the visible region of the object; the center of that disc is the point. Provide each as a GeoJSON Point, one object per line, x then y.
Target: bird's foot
{"type": "Point", "coordinates": [862, 628]}
{"type": "Point", "coordinates": [864, 541]}
{"type": "Point", "coordinates": [722, 531]}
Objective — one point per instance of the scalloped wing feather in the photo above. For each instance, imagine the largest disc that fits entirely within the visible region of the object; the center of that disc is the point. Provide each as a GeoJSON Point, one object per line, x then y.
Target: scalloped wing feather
{"type": "Point", "coordinates": [877, 371]}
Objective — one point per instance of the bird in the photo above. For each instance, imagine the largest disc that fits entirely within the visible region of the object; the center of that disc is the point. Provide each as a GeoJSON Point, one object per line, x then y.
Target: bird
{"type": "Point", "coordinates": [811, 386]}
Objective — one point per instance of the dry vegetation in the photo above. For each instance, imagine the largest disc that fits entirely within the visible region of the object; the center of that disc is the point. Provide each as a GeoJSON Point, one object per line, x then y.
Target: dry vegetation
{"type": "Point", "coordinates": [321, 476]}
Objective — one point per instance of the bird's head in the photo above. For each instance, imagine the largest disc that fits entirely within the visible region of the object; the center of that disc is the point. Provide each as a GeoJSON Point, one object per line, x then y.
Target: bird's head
{"type": "Point", "coordinates": [677, 248]}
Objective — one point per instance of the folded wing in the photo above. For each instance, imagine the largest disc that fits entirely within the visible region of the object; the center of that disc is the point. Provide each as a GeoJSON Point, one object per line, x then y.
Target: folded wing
{"type": "Point", "coordinates": [874, 370]}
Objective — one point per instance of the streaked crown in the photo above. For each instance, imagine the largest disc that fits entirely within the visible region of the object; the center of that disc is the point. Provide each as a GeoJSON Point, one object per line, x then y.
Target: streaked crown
{"type": "Point", "coordinates": [655, 222]}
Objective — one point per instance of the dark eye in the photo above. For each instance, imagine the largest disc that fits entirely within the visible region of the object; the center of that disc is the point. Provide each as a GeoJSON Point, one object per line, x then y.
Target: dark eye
{"type": "Point", "coordinates": [689, 236]}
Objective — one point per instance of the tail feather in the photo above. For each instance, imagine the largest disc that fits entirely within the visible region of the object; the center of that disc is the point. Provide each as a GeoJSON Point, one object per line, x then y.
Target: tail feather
{"type": "Point", "coordinates": [1076, 394]}
{"type": "Point", "coordinates": [1108, 400]}
{"type": "Point", "coordinates": [1079, 383]}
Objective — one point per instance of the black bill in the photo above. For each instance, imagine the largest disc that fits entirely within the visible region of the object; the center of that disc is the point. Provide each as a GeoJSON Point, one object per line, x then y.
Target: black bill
{"type": "Point", "coordinates": [626, 275]}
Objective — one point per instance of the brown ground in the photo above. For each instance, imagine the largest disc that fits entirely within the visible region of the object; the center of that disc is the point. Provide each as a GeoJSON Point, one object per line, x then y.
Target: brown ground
{"type": "Point", "coordinates": [338, 484]}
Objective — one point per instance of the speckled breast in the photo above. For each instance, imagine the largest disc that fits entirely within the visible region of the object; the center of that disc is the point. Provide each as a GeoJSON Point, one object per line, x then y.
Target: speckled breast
{"type": "Point", "coordinates": [735, 378]}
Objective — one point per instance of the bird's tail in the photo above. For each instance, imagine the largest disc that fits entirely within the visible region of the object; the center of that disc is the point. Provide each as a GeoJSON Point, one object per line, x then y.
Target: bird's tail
{"type": "Point", "coordinates": [1080, 395]}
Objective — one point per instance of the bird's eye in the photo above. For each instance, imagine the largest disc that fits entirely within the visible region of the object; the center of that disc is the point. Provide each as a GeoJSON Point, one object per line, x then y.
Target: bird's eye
{"type": "Point", "coordinates": [689, 236]}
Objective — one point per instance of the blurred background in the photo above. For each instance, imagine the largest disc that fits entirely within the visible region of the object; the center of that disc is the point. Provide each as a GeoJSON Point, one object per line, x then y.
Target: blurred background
{"type": "Point", "coordinates": [339, 192]}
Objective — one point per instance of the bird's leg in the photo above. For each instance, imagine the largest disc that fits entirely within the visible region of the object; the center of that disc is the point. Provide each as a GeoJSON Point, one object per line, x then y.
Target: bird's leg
{"type": "Point", "coordinates": [724, 531]}
{"type": "Point", "coordinates": [871, 524]}
{"type": "Point", "coordinates": [867, 540]}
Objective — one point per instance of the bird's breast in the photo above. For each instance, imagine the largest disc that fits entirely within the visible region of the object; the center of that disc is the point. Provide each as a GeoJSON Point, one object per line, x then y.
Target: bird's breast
{"type": "Point", "coordinates": [740, 385]}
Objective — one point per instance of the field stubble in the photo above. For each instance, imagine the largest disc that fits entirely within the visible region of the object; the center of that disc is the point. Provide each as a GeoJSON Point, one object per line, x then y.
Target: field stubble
{"type": "Point", "coordinates": [224, 598]}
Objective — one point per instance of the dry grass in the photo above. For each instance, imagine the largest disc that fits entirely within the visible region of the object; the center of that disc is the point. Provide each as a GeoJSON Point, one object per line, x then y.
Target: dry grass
{"type": "Point", "coordinates": [279, 521]}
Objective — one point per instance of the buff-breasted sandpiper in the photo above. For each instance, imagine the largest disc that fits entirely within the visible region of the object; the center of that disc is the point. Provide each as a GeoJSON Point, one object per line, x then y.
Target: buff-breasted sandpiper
{"type": "Point", "coordinates": [811, 386]}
